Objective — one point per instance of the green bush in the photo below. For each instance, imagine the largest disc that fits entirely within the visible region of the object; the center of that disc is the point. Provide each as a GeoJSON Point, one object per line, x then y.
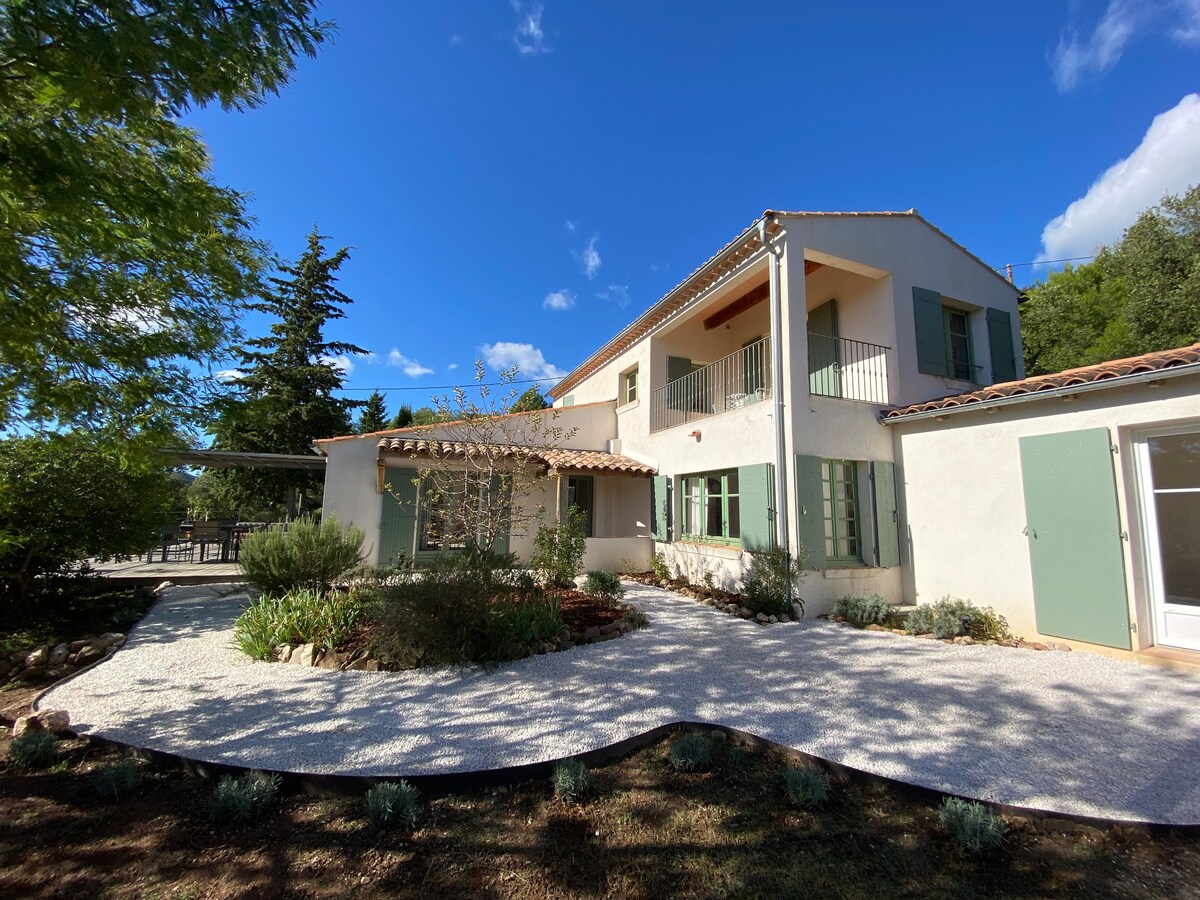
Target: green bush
{"type": "Point", "coordinates": [691, 752]}
{"type": "Point", "coordinates": [34, 750]}
{"type": "Point", "coordinates": [920, 620]}
{"type": "Point", "coordinates": [951, 617]}
{"type": "Point", "coordinates": [298, 617]}
{"type": "Point", "coordinates": [862, 611]}
{"type": "Point", "coordinates": [635, 617]}
{"type": "Point", "coordinates": [308, 555]}
{"type": "Point", "coordinates": [971, 824]}
{"type": "Point", "coordinates": [558, 550]}
{"type": "Point", "coordinates": [658, 565]}
{"type": "Point", "coordinates": [770, 584]}
{"type": "Point", "coordinates": [989, 625]}
{"type": "Point", "coordinates": [394, 803]}
{"type": "Point", "coordinates": [120, 779]}
{"type": "Point", "coordinates": [572, 780]}
{"type": "Point", "coordinates": [604, 586]}
{"type": "Point", "coordinates": [243, 798]}
{"type": "Point", "coordinates": [806, 786]}
{"type": "Point", "coordinates": [460, 610]}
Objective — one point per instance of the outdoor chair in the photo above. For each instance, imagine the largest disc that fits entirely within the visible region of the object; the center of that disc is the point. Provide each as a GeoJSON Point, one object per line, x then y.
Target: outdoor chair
{"type": "Point", "coordinates": [205, 535]}
{"type": "Point", "coordinates": [173, 545]}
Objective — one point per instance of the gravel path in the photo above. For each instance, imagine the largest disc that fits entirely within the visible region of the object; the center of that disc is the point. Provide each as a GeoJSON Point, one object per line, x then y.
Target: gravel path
{"type": "Point", "coordinates": [1067, 732]}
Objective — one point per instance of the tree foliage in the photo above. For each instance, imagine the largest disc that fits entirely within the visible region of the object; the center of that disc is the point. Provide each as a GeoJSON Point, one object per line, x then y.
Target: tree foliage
{"type": "Point", "coordinates": [404, 417]}
{"type": "Point", "coordinates": [374, 415]}
{"type": "Point", "coordinates": [121, 263]}
{"type": "Point", "coordinates": [285, 395]}
{"type": "Point", "coordinates": [1140, 295]}
{"type": "Point", "coordinates": [530, 401]}
{"type": "Point", "coordinates": [65, 498]}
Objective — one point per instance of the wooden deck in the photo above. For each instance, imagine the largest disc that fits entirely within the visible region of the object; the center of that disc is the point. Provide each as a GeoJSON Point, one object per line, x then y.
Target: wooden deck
{"type": "Point", "coordinates": [138, 571]}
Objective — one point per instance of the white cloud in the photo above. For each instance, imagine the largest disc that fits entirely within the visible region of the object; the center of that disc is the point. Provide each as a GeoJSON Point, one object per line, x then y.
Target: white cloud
{"type": "Point", "coordinates": [456, 40]}
{"type": "Point", "coordinates": [589, 257]}
{"type": "Point", "coordinates": [412, 368]}
{"type": "Point", "coordinates": [559, 301]}
{"type": "Point", "coordinates": [228, 375]}
{"type": "Point", "coordinates": [341, 362]}
{"type": "Point", "coordinates": [370, 357]}
{"type": "Point", "coordinates": [1166, 161]}
{"type": "Point", "coordinates": [529, 37]}
{"type": "Point", "coordinates": [1076, 58]}
{"type": "Point", "coordinates": [615, 293]}
{"type": "Point", "coordinates": [659, 267]}
{"type": "Point", "coordinates": [571, 225]}
{"type": "Point", "coordinates": [451, 367]}
{"type": "Point", "coordinates": [528, 359]}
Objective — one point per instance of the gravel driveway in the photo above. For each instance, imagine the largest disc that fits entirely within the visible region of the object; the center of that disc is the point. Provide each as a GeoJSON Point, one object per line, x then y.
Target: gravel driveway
{"type": "Point", "coordinates": [1068, 732]}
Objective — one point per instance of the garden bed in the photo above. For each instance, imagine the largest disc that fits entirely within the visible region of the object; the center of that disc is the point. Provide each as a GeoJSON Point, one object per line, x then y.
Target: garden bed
{"type": "Point", "coordinates": [723, 601]}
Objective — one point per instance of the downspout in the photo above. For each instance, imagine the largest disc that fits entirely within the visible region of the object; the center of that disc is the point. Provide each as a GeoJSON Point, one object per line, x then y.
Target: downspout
{"type": "Point", "coordinates": [781, 504]}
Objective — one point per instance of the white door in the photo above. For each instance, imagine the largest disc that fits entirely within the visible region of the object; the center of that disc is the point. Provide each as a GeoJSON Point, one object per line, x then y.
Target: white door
{"type": "Point", "coordinates": [1168, 463]}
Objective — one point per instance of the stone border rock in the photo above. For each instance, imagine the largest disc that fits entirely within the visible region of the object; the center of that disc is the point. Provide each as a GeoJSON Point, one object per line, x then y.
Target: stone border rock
{"type": "Point", "coordinates": [53, 663]}
{"type": "Point", "coordinates": [309, 655]}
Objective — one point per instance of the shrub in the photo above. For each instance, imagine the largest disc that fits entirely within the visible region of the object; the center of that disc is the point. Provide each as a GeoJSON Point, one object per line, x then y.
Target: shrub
{"type": "Point", "coordinates": [691, 752]}
{"type": "Point", "coordinates": [572, 780]}
{"type": "Point", "coordinates": [951, 618]}
{"type": "Point", "coordinates": [771, 582]}
{"type": "Point", "coordinates": [300, 616]}
{"type": "Point", "coordinates": [658, 565]}
{"type": "Point", "coordinates": [971, 824]}
{"type": "Point", "coordinates": [920, 620]}
{"type": "Point", "coordinates": [806, 786]}
{"type": "Point", "coordinates": [558, 550]}
{"type": "Point", "coordinates": [34, 750]}
{"type": "Point", "coordinates": [862, 611]}
{"type": "Point", "coordinates": [243, 798]}
{"type": "Point", "coordinates": [393, 803]}
{"type": "Point", "coordinates": [604, 586]}
{"type": "Point", "coordinates": [989, 625]}
{"type": "Point", "coordinates": [460, 610]}
{"type": "Point", "coordinates": [120, 779]}
{"type": "Point", "coordinates": [635, 617]}
{"type": "Point", "coordinates": [308, 555]}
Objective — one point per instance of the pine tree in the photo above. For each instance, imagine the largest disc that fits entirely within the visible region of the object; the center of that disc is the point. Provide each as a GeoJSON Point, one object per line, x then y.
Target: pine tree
{"type": "Point", "coordinates": [530, 401]}
{"type": "Point", "coordinates": [285, 397]}
{"type": "Point", "coordinates": [374, 415]}
{"type": "Point", "coordinates": [404, 417]}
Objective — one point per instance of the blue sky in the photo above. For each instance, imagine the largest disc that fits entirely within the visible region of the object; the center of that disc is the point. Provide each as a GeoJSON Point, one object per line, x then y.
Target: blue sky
{"type": "Point", "coordinates": [519, 180]}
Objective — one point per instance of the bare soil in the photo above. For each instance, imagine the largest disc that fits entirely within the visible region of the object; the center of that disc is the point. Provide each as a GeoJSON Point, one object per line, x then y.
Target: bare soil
{"type": "Point", "coordinates": [647, 832]}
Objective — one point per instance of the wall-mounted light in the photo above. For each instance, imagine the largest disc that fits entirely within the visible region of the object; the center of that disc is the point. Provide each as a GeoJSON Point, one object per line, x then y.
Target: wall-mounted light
{"type": "Point", "coordinates": [695, 434]}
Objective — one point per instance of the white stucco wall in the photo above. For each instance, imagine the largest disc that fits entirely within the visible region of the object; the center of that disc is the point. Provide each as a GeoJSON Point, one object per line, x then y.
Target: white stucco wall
{"type": "Point", "coordinates": [962, 505]}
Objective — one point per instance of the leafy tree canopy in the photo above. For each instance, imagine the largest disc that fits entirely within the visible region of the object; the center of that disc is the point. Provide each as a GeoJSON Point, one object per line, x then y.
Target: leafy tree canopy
{"type": "Point", "coordinates": [530, 401]}
{"type": "Point", "coordinates": [121, 262]}
{"type": "Point", "coordinates": [404, 417]}
{"type": "Point", "coordinates": [67, 497]}
{"type": "Point", "coordinates": [1140, 295]}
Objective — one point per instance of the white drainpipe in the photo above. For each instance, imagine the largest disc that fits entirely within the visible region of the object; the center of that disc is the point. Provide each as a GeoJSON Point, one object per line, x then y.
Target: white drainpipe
{"type": "Point", "coordinates": [781, 505]}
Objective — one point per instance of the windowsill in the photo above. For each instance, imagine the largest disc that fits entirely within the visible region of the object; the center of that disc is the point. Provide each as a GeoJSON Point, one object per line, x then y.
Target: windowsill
{"type": "Point", "coordinates": [628, 406]}
{"type": "Point", "coordinates": [846, 570]}
{"type": "Point", "coordinates": [734, 550]}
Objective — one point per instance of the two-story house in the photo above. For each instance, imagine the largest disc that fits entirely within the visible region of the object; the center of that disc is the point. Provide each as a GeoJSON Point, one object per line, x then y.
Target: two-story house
{"type": "Point", "coordinates": [849, 385]}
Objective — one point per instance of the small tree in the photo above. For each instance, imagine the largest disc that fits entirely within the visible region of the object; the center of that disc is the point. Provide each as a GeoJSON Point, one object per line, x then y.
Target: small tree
{"type": "Point", "coordinates": [531, 401]}
{"type": "Point", "coordinates": [484, 492]}
{"type": "Point", "coordinates": [404, 417]}
{"type": "Point", "coordinates": [66, 498]}
{"type": "Point", "coordinates": [374, 415]}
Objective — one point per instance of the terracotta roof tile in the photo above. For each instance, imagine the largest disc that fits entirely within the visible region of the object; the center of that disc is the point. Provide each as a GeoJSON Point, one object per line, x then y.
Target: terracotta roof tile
{"type": "Point", "coordinates": [564, 460]}
{"type": "Point", "coordinates": [1117, 368]}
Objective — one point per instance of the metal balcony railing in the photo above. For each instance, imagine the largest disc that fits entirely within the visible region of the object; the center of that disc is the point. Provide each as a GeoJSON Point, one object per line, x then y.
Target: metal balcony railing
{"type": "Point", "coordinates": [741, 378]}
{"type": "Point", "coordinates": [847, 369]}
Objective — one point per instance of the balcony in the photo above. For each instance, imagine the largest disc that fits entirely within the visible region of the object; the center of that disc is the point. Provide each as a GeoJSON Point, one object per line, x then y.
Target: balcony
{"type": "Point", "coordinates": [741, 378]}
{"type": "Point", "coordinates": [847, 369]}
{"type": "Point", "coordinates": [837, 367]}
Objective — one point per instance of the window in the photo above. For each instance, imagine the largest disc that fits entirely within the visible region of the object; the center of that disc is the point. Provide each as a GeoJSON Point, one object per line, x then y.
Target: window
{"type": "Point", "coordinates": [712, 507]}
{"type": "Point", "coordinates": [629, 387]}
{"type": "Point", "coordinates": [839, 493]}
{"type": "Point", "coordinates": [434, 535]}
{"type": "Point", "coordinates": [455, 507]}
{"type": "Point", "coordinates": [581, 491]}
{"type": "Point", "coordinates": [959, 356]}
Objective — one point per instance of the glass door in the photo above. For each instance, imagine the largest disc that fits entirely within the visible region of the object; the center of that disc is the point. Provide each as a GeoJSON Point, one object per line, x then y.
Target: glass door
{"type": "Point", "coordinates": [1168, 462]}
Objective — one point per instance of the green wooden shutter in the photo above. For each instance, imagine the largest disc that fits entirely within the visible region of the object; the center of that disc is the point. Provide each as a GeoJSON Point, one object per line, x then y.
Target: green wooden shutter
{"type": "Point", "coordinates": [398, 517]}
{"type": "Point", "coordinates": [756, 497]}
{"type": "Point", "coordinates": [1074, 533]}
{"type": "Point", "coordinates": [660, 509]}
{"type": "Point", "coordinates": [810, 510]}
{"type": "Point", "coordinates": [887, 529]}
{"type": "Point", "coordinates": [677, 367]}
{"type": "Point", "coordinates": [499, 492]}
{"type": "Point", "coordinates": [931, 333]}
{"type": "Point", "coordinates": [1000, 345]}
{"type": "Point", "coordinates": [824, 352]}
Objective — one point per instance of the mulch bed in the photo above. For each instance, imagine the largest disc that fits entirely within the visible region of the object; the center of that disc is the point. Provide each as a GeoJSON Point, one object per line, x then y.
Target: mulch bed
{"type": "Point", "coordinates": [580, 612]}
